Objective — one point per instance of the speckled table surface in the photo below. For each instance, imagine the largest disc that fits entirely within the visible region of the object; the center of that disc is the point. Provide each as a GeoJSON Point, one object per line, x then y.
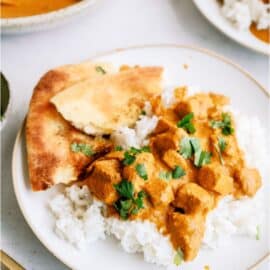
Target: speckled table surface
{"type": "Point", "coordinates": [108, 25]}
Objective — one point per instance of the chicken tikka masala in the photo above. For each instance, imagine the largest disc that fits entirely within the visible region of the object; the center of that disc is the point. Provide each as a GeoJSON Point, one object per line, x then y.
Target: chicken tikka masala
{"type": "Point", "coordinates": [193, 160]}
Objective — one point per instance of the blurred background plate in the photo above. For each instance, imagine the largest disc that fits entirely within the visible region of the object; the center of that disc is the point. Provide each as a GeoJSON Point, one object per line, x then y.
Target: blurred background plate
{"type": "Point", "coordinates": [211, 10]}
{"type": "Point", "coordinates": [183, 65]}
{"type": "Point", "coordinates": [46, 20]}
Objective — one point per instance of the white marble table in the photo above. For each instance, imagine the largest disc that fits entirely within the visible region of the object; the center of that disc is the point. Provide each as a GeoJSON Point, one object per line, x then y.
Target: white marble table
{"type": "Point", "coordinates": [110, 24]}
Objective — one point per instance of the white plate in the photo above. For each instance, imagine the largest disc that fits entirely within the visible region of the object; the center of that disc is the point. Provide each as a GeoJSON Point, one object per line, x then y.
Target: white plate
{"type": "Point", "coordinates": [44, 21]}
{"type": "Point", "coordinates": [211, 10]}
{"type": "Point", "coordinates": [209, 71]}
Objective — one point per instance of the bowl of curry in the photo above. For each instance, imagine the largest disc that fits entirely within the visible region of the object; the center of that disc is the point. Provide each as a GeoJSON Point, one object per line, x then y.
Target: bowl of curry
{"type": "Point", "coordinates": [19, 16]}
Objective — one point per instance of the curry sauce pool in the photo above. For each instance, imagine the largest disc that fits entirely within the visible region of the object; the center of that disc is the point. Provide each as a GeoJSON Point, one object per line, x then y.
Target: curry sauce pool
{"type": "Point", "coordinates": [131, 227]}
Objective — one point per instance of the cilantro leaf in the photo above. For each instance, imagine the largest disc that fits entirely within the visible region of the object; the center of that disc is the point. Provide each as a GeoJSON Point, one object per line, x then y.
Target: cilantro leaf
{"type": "Point", "coordinates": [190, 146]}
{"type": "Point", "coordinates": [185, 148]}
{"type": "Point", "coordinates": [186, 123]}
{"type": "Point", "coordinates": [83, 148]}
{"type": "Point", "coordinates": [141, 171]}
{"type": "Point", "coordinates": [202, 158]}
{"type": "Point", "coordinates": [222, 144]}
{"type": "Point", "coordinates": [225, 124]}
{"type": "Point", "coordinates": [178, 172]}
{"type": "Point", "coordinates": [128, 158]}
{"type": "Point", "coordinates": [130, 155]}
{"type": "Point", "coordinates": [125, 189]}
{"type": "Point", "coordinates": [220, 147]}
{"type": "Point", "coordinates": [128, 204]}
{"type": "Point", "coordinates": [178, 258]}
{"type": "Point", "coordinates": [118, 148]}
{"type": "Point", "coordinates": [143, 112]}
{"type": "Point", "coordinates": [146, 149]}
{"type": "Point", "coordinates": [165, 175]}
{"type": "Point", "coordinates": [100, 70]}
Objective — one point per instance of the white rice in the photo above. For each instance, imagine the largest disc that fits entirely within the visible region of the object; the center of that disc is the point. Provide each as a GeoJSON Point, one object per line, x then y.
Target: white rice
{"type": "Point", "coordinates": [79, 218]}
{"type": "Point", "coordinates": [242, 13]}
{"type": "Point", "coordinates": [137, 136]}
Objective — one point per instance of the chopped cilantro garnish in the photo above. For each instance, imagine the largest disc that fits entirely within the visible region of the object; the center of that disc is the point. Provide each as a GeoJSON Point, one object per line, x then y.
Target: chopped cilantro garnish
{"type": "Point", "coordinates": [220, 147]}
{"type": "Point", "coordinates": [125, 189]}
{"type": "Point", "coordinates": [186, 123]}
{"type": "Point", "coordinates": [258, 232]}
{"type": "Point", "coordinates": [146, 149]}
{"type": "Point", "coordinates": [130, 155]}
{"type": "Point", "coordinates": [165, 175]}
{"type": "Point", "coordinates": [127, 204]}
{"type": "Point", "coordinates": [178, 172]}
{"type": "Point", "coordinates": [178, 257]}
{"type": "Point", "coordinates": [202, 158]}
{"type": "Point", "coordinates": [83, 148]}
{"type": "Point", "coordinates": [141, 171]}
{"type": "Point", "coordinates": [185, 148]}
{"type": "Point", "coordinates": [188, 146]}
{"type": "Point", "coordinates": [118, 148]}
{"type": "Point", "coordinates": [225, 124]}
{"type": "Point", "coordinates": [100, 69]}
{"type": "Point", "coordinates": [191, 146]}
{"type": "Point", "coordinates": [222, 144]}
{"type": "Point", "coordinates": [128, 158]}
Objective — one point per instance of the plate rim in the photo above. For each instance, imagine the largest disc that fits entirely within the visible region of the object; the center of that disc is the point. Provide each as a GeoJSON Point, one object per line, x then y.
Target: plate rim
{"type": "Point", "coordinates": [265, 52]}
{"type": "Point", "coordinates": [95, 56]}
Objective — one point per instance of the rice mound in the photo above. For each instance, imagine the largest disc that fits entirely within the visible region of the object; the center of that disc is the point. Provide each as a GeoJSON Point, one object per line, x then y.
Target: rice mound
{"type": "Point", "coordinates": [242, 13]}
{"type": "Point", "coordinates": [79, 219]}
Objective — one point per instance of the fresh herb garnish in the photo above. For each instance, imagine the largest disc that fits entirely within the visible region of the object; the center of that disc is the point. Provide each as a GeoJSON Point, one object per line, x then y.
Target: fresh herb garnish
{"type": "Point", "coordinates": [222, 144]}
{"type": "Point", "coordinates": [188, 146]}
{"type": "Point", "coordinates": [128, 158]}
{"type": "Point", "coordinates": [127, 204]}
{"type": "Point", "coordinates": [186, 123]}
{"type": "Point", "coordinates": [146, 149]}
{"type": "Point", "coordinates": [225, 124]}
{"type": "Point", "coordinates": [141, 171]}
{"type": "Point", "coordinates": [202, 158]}
{"type": "Point", "coordinates": [165, 175]}
{"type": "Point", "coordinates": [220, 147]}
{"type": "Point", "coordinates": [130, 155]}
{"type": "Point", "coordinates": [178, 258]}
{"type": "Point", "coordinates": [118, 148]}
{"type": "Point", "coordinates": [100, 69]}
{"type": "Point", "coordinates": [82, 148]}
{"type": "Point", "coordinates": [178, 172]}
{"type": "Point", "coordinates": [191, 146]}
{"type": "Point", "coordinates": [258, 234]}
{"type": "Point", "coordinates": [143, 112]}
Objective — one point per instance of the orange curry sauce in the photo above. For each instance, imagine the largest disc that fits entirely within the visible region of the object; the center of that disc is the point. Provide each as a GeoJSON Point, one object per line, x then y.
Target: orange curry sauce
{"type": "Point", "coordinates": [179, 202]}
{"type": "Point", "coordinates": [23, 8]}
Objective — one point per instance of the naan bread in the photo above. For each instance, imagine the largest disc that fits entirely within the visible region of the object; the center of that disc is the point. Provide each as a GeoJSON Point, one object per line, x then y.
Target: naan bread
{"type": "Point", "coordinates": [109, 102]}
{"type": "Point", "coordinates": [49, 136]}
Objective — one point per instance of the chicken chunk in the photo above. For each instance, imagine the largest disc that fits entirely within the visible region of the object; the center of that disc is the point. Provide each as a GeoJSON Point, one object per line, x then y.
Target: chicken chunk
{"type": "Point", "coordinates": [193, 199]}
{"type": "Point", "coordinates": [249, 180]}
{"type": "Point", "coordinates": [214, 177]}
{"type": "Point", "coordinates": [172, 158]}
{"type": "Point", "coordinates": [186, 233]}
{"type": "Point", "coordinates": [159, 192]}
{"type": "Point", "coordinates": [198, 105]}
{"type": "Point", "coordinates": [168, 140]}
{"type": "Point", "coordinates": [105, 173]}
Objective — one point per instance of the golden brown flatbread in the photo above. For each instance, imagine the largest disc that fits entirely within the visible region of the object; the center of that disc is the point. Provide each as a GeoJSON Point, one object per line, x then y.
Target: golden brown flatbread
{"type": "Point", "coordinates": [49, 136]}
{"type": "Point", "coordinates": [103, 105]}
